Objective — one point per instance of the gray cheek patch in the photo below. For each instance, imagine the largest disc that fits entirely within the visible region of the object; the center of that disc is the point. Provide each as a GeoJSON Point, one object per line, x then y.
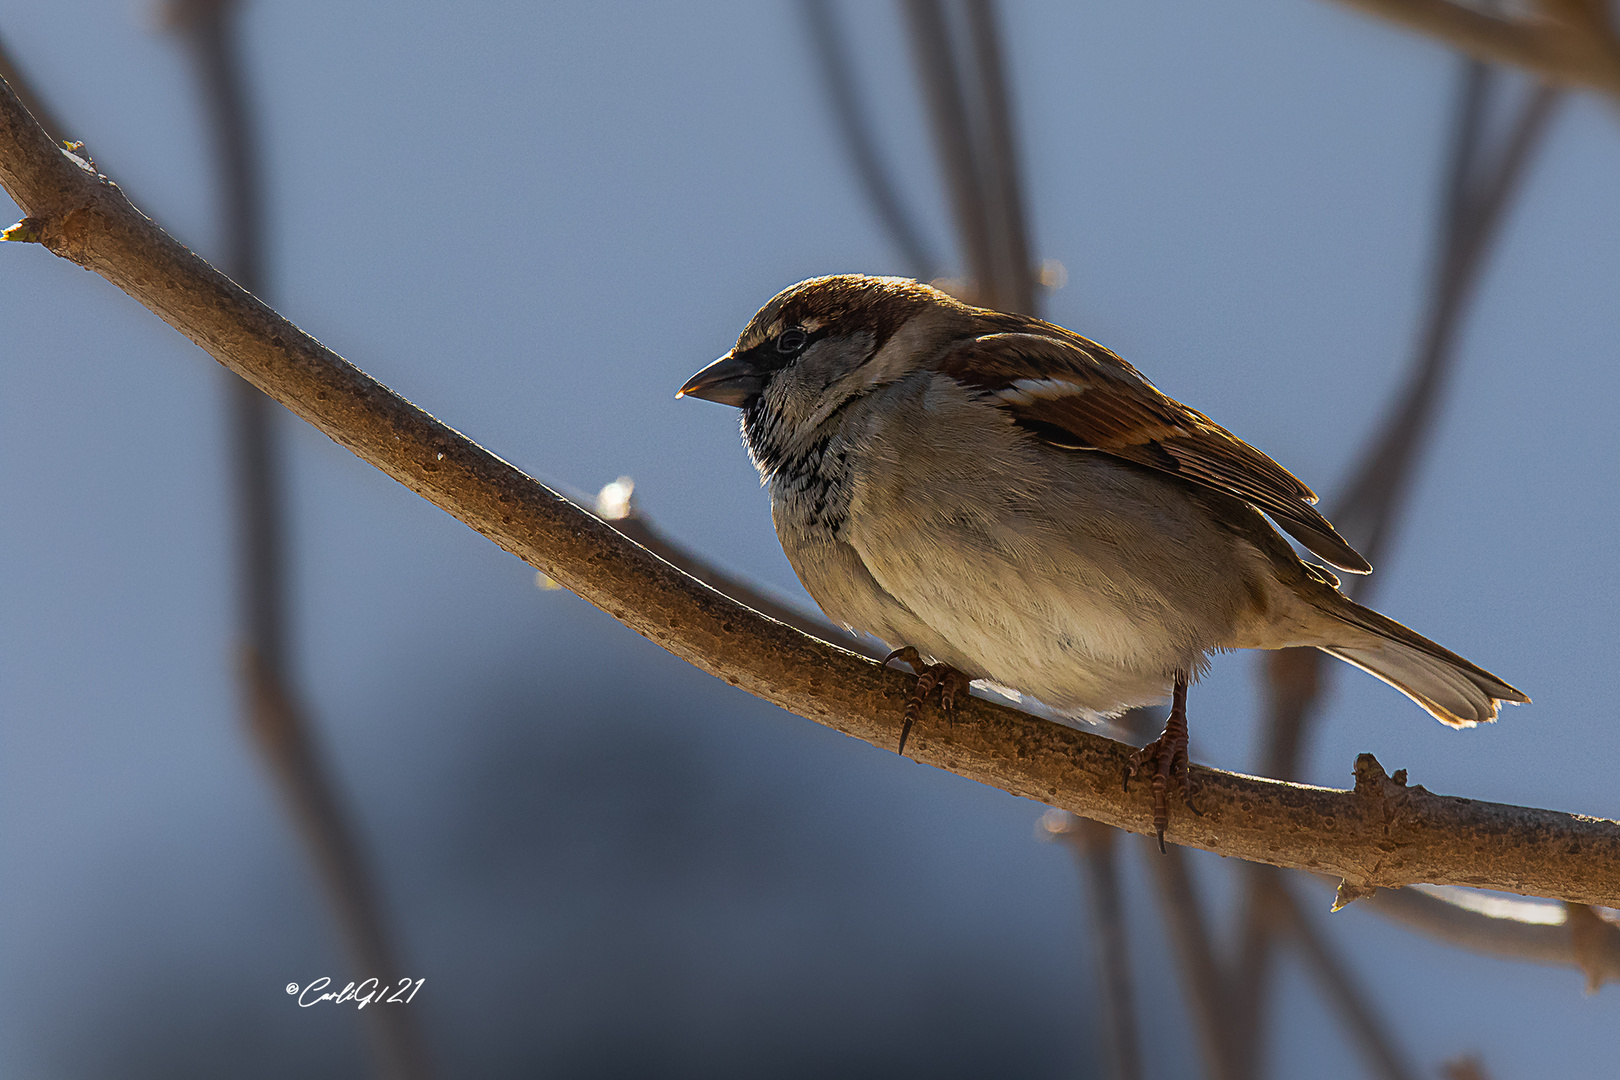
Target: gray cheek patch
{"type": "Point", "coordinates": [803, 396]}
{"type": "Point", "coordinates": [832, 359]}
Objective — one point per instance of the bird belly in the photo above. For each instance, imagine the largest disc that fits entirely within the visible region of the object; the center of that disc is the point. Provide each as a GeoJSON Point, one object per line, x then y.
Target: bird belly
{"type": "Point", "coordinates": [1068, 576]}
{"type": "Point", "coordinates": [1078, 635]}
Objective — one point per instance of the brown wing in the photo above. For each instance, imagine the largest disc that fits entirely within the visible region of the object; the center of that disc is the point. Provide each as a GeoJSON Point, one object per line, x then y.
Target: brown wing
{"type": "Point", "coordinates": [1074, 393]}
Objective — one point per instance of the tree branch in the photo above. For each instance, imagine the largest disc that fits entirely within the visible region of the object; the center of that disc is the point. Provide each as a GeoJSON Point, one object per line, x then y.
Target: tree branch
{"type": "Point", "coordinates": [1382, 833]}
{"type": "Point", "coordinates": [939, 73]}
{"type": "Point", "coordinates": [1477, 192]}
{"type": "Point", "coordinates": [1195, 956]}
{"type": "Point", "coordinates": [1515, 930]}
{"type": "Point", "coordinates": [838, 78]}
{"type": "Point", "coordinates": [23, 88]}
{"type": "Point", "coordinates": [1553, 52]}
{"type": "Point", "coordinates": [281, 730]}
{"type": "Point", "coordinates": [998, 157]}
{"type": "Point", "coordinates": [1543, 934]}
{"type": "Point", "coordinates": [616, 505]}
{"type": "Point", "coordinates": [1339, 986]}
{"type": "Point", "coordinates": [1094, 849]}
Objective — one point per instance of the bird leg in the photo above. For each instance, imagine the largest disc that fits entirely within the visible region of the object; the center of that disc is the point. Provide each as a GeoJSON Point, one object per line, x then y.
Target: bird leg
{"type": "Point", "coordinates": [951, 682]}
{"type": "Point", "coordinates": [1165, 759]}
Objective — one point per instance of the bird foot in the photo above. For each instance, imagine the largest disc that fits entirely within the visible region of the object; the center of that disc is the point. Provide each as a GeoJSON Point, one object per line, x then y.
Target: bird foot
{"type": "Point", "coordinates": [951, 682]}
{"type": "Point", "coordinates": [1165, 760]}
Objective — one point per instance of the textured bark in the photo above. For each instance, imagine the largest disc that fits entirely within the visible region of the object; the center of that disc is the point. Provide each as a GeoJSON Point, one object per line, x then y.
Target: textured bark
{"type": "Point", "coordinates": [1382, 833]}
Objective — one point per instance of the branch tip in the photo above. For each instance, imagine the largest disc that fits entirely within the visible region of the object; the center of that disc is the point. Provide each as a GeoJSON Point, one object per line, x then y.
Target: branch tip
{"type": "Point", "coordinates": [1055, 825]}
{"type": "Point", "coordinates": [80, 156]}
{"type": "Point", "coordinates": [616, 501]}
{"type": "Point", "coordinates": [1350, 892]}
{"type": "Point", "coordinates": [1463, 1068]}
{"type": "Point", "coordinates": [1593, 939]}
{"type": "Point", "coordinates": [1373, 782]}
{"type": "Point", "coordinates": [27, 231]}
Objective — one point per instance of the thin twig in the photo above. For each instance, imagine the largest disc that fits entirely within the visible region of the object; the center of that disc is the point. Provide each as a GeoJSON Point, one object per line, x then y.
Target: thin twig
{"type": "Point", "coordinates": [1339, 986]}
{"type": "Point", "coordinates": [939, 71]}
{"type": "Point", "coordinates": [280, 727]}
{"type": "Point", "coordinates": [616, 505]}
{"type": "Point", "coordinates": [998, 154]}
{"type": "Point", "coordinates": [838, 79]}
{"type": "Point", "coordinates": [43, 114]}
{"type": "Point", "coordinates": [1522, 930]}
{"type": "Point", "coordinates": [1478, 190]}
{"type": "Point", "coordinates": [1552, 52]}
{"type": "Point", "coordinates": [1464, 1068]}
{"type": "Point", "coordinates": [1383, 833]}
{"type": "Point", "coordinates": [1195, 957]}
{"type": "Point", "coordinates": [1097, 855]}
{"type": "Point", "coordinates": [1373, 501]}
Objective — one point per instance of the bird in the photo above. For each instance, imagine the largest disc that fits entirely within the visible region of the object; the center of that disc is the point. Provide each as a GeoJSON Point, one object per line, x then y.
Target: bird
{"type": "Point", "coordinates": [999, 499]}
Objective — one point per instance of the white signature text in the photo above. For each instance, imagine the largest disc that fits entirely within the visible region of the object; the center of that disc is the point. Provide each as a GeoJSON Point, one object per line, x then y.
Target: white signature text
{"type": "Point", "coordinates": [361, 994]}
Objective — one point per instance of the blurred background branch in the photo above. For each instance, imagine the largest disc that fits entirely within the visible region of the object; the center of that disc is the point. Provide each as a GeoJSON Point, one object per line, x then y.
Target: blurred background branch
{"type": "Point", "coordinates": [939, 72]}
{"type": "Point", "coordinates": [280, 726]}
{"type": "Point", "coordinates": [1188, 929]}
{"type": "Point", "coordinates": [1478, 188]}
{"type": "Point", "coordinates": [1538, 933]}
{"type": "Point", "coordinates": [1576, 53]}
{"type": "Point", "coordinates": [997, 155]}
{"type": "Point", "coordinates": [1096, 851]}
{"type": "Point", "coordinates": [969, 103]}
{"type": "Point", "coordinates": [854, 122]}
{"type": "Point", "coordinates": [23, 87]}
{"type": "Point", "coordinates": [277, 724]}
{"type": "Point", "coordinates": [1339, 986]}
{"type": "Point", "coordinates": [977, 67]}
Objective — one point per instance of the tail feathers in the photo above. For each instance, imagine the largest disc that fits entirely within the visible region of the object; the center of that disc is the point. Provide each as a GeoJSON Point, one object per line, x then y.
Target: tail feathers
{"type": "Point", "coordinates": [1453, 690]}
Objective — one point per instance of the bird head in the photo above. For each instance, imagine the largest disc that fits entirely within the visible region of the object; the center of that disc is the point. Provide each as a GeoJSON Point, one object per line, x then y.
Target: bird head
{"type": "Point", "coordinates": [818, 345]}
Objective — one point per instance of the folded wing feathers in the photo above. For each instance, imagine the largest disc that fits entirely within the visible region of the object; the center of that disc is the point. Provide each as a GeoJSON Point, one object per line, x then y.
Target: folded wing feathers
{"type": "Point", "coordinates": [1085, 397]}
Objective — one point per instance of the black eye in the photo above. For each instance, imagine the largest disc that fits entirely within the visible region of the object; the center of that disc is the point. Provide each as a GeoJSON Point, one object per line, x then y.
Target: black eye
{"type": "Point", "coordinates": [791, 341]}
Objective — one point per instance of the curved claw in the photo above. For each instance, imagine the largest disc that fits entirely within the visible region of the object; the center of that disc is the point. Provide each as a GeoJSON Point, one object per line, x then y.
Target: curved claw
{"type": "Point", "coordinates": [1166, 760]}
{"type": "Point", "coordinates": [950, 681]}
{"type": "Point", "coordinates": [953, 685]}
{"type": "Point", "coordinates": [906, 655]}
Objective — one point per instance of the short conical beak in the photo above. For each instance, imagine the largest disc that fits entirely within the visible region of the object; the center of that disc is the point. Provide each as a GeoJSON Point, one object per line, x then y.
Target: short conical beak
{"type": "Point", "coordinates": [729, 380]}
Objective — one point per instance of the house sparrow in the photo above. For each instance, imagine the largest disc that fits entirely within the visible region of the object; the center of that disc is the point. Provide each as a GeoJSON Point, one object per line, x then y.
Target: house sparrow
{"type": "Point", "coordinates": [1001, 499]}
